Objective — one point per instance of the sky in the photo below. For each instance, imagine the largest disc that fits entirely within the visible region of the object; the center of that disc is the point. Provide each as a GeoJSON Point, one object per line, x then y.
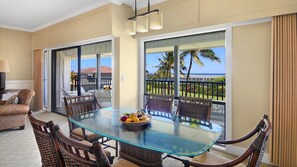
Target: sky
{"type": "Point", "coordinates": [152, 60]}
{"type": "Point", "coordinates": [85, 63]}
{"type": "Point", "coordinates": [209, 66]}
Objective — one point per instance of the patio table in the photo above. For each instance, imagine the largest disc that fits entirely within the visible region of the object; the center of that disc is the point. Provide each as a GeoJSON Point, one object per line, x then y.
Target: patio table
{"type": "Point", "coordinates": [166, 133]}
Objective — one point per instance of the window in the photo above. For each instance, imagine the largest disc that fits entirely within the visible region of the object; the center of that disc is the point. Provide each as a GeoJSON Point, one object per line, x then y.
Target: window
{"type": "Point", "coordinates": [192, 66]}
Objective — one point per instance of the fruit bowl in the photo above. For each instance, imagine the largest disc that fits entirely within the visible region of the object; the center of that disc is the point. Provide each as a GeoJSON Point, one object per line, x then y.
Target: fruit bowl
{"type": "Point", "coordinates": [135, 119]}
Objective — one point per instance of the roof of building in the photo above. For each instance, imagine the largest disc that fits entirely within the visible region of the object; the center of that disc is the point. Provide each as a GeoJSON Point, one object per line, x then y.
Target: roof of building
{"type": "Point", "coordinates": [103, 69]}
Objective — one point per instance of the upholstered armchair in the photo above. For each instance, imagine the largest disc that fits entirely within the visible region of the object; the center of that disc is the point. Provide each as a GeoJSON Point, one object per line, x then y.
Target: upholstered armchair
{"type": "Point", "coordinates": [14, 115]}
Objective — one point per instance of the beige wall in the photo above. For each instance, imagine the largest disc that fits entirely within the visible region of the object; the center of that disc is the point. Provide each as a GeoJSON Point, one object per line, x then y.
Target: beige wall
{"type": "Point", "coordinates": [127, 58]}
{"type": "Point", "coordinates": [16, 47]}
{"type": "Point", "coordinates": [251, 60]}
{"type": "Point", "coordinates": [93, 24]}
{"type": "Point", "coordinates": [188, 14]}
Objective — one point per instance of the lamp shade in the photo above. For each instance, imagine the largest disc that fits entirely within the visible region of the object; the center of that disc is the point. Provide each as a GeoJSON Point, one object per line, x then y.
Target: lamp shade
{"type": "Point", "coordinates": [4, 66]}
{"type": "Point", "coordinates": [142, 23]}
{"type": "Point", "coordinates": [156, 20]}
{"type": "Point", "coordinates": [130, 27]}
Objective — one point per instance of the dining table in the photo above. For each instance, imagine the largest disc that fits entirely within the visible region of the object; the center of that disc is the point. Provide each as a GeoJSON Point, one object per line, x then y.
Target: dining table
{"type": "Point", "coordinates": [146, 143]}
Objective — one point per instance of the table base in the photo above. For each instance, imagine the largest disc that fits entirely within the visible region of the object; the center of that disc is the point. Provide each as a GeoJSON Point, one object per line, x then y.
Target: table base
{"type": "Point", "coordinates": [140, 156]}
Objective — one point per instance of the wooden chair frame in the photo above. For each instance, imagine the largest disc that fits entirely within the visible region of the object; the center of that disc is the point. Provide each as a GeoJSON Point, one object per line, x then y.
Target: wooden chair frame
{"type": "Point", "coordinates": [46, 141]}
{"type": "Point", "coordinates": [254, 153]}
{"type": "Point", "coordinates": [77, 154]}
{"type": "Point", "coordinates": [78, 106]}
{"type": "Point", "coordinates": [159, 102]}
{"type": "Point", "coordinates": [193, 107]}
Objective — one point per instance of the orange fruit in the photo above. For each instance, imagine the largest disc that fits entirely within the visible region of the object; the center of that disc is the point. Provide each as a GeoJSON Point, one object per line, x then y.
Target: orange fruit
{"type": "Point", "coordinates": [135, 119]}
{"type": "Point", "coordinates": [129, 120]}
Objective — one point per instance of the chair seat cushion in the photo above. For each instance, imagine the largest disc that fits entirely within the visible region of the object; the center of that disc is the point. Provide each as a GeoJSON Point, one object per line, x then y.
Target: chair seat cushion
{"type": "Point", "coordinates": [90, 135]}
{"type": "Point", "coordinates": [212, 159]}
{"type": "Point", "coordinates": [122, 162]}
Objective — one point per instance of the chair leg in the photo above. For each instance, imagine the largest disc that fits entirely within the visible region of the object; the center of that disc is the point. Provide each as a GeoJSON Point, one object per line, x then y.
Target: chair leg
{"type": "Point", "coordinates": [117, 148]}
{"type": "Point", "coordinates": [111, 159]}
{"type": "Point", "coordinates": [22, 127]}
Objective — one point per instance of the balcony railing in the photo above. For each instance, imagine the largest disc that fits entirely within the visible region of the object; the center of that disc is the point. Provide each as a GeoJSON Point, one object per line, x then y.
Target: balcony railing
{"type": "Point", "coordinates": [89, 83]}
{"type": "Point", "coordinates": [209, 90]}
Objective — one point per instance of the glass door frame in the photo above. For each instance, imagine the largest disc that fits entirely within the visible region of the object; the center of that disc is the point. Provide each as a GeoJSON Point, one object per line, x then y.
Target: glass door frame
{"type": "Point", "coordinates": [54, 75]}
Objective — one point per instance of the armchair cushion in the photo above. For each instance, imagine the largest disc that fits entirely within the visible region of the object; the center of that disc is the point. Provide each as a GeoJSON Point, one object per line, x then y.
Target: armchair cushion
{"type": "Point", "coordinates": [12, 100]}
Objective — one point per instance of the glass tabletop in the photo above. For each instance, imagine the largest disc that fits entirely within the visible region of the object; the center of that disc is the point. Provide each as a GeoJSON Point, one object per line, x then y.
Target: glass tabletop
{"type": "Point", "coordinates": [165, 133]}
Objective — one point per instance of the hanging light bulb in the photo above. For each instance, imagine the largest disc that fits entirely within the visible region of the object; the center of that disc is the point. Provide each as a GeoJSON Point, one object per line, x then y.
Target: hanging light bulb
{"type": "Point", "coordinates": [156, 20]}
{"type": "Point", "coordinates": [130, 27]}
{"type": "Point", "coordinates": [142, 23]}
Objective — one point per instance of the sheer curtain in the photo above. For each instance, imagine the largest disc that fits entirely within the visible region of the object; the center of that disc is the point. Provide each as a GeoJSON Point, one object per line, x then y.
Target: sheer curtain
{"type": "Point", "coordinates": [284, 109]}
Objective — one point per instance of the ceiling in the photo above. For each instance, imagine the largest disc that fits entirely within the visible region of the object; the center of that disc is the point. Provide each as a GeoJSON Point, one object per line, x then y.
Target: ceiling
{"type": "Point", "coordinates": [33, 15]}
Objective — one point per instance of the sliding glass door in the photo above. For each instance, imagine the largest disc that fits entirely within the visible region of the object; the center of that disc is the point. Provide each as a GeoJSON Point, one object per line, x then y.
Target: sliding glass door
{"type": "Point", "coordinates": [80, 70]}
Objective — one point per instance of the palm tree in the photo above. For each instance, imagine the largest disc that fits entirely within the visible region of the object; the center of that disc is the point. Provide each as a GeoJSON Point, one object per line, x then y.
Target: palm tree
{"type": "Point", "coordinates": [166, 65]}
{"type": "Point", "coordinates": [194, 56]}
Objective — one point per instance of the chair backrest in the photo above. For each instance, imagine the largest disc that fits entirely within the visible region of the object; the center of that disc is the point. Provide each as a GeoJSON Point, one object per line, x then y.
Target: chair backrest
{"type": "Point", "coordinates": [78, 154]}
{"type": "Point", "coordinates": [259, 144]}
{"type": "Point", "coordinates": [254, 153]}
{"type": "Point", "coordinates": [47, 144]}
{"type": "Point", "coordinates": [25, 96]}
{"type": "Point", "coordinates": [159, 102]}
{"type": "Point", "coordinates": [193, 107]}
{"type": "Point", "coordinates": [78, 106]}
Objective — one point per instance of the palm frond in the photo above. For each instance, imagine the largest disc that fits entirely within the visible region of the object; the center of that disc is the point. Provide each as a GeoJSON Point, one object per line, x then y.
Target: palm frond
{"type": "Point", "coordinates": [208, 53]}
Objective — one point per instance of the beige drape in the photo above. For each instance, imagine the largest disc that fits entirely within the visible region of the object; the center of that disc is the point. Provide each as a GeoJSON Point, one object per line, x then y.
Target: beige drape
{"type": "Point", "coordinates": [284, 109]}
{"type": "Point", "coordinates": [38, 75]}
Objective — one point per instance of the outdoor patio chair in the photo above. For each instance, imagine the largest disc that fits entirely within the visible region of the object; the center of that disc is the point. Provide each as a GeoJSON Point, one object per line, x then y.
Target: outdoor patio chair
{"type": "Point", "coordinates": [193, 107]}
{"type": "Point", "coordinates": [78, 154]}
{"type": "Point", "coordinates": [84, 107]}
{"type": "Point", "coordinates": [159, 102]}
{"type": "Point", "coordinates": [103, 95]}
{"type": "Point", "coordinates": [254, 153]}
{"type": "Point", "coordinates": [45, 138]}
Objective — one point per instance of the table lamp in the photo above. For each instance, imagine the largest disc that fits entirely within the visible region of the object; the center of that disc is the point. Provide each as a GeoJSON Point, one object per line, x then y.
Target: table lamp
{"type": "Point", "coordinates": [4, 67]}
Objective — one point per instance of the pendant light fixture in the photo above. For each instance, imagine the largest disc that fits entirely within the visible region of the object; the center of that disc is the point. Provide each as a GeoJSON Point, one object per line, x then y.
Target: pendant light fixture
{"type": "Point", "coordinates": [142, 22]}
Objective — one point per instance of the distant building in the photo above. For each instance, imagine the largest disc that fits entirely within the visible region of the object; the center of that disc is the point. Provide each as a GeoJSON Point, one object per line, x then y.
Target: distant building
{"type": "Point", "coordinates": [106, 72]}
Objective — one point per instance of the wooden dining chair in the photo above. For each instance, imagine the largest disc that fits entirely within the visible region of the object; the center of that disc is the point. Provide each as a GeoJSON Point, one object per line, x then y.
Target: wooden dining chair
{"type": "Point", "coordinates": [83, 107]}
{"type": "Point", "coordinates": [253, 154]}
{"type": "Point", "coordinates": [47, 144]}
{"type": "Point", "coordinates": [159, 102]}
{"type": "Point", "coordinates": [79, 154]}
{"type": "Point", "coordinates": [193, 107]}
